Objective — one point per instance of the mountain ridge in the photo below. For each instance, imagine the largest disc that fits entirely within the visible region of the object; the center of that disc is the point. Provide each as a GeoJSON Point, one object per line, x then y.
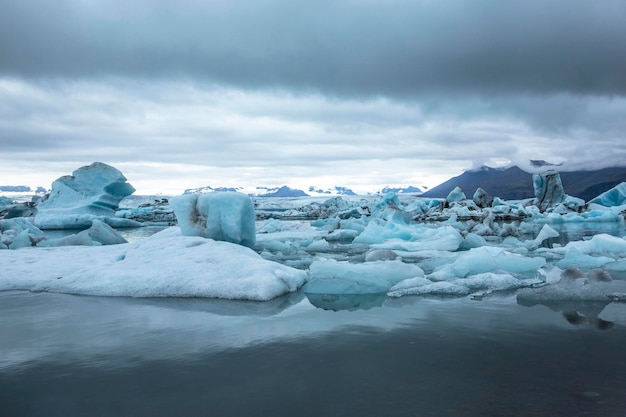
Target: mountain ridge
{"type": "Point", "coordinates": [513, 183]}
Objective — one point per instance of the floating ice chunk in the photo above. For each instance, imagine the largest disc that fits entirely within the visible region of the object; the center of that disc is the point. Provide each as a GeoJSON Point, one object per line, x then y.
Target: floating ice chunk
{"type": "Point", "coordinates": [456, 195]}
{"type": "Point", "coordinates": [163, 265]}
{"type": "Point", "coordinates": [22, 240]}
{"type": "Point", "coordinates": [472, 240]}
{"type": "Point", "coordinates": [410, 283]}
{"type": "Point", "coordinates": [486, 282]}
{"type": "Point", "coordinates": [482, 198]}
{"type": "Point", "coordinates": [575, 258]}
{"type": "Point", "coordinates": [320, 245]}
{"type": "Point", "coordinates": [411, 237]}
{"type": "Point", "coordinates": [77, 239]}
{"type": "Point", "coordinates": [18, 233]}
{"type": "Point", "coordinates": [427, 287]}
{"type": "Point", "coordinates": [358, 225]}
{"type": "Point", "coordinates": [104, 234]}
{"type": "Point", "coordinates": [98, 234]}
{"type": "Point", "coordinates": [332, 277]}
{"type": "Point", "coordinates": [97, 188]}
{"type": "Point", "coordinates": [341, 235]}
{"type": "Point", "coordinates": [446, 239]}
{"type": "Point", "coordinates": [487, 259]}
{"type": "Point", "coordinates": [574, 203]}
{"type": "Point", "coordinates": [94, 190]}
{"type": "Point", "coordinates": [616, 196]}
{"type": "Point", "coordinates": [273, 226]}
{"type": "Point", "coordinates": [545, 233]}
{"type": "Point", "coordinates": [491, 281]}
{"type": "Point", "coordinates": [380, 255]}
{"type": "Point", "coordinates": [225, 216]}
{"type": "Point", "coordinates": [601, 244]}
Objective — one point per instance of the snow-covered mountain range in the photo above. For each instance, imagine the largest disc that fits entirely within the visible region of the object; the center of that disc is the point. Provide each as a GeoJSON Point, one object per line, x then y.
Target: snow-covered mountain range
{"type": "Point", "coordinates": [313, 191]}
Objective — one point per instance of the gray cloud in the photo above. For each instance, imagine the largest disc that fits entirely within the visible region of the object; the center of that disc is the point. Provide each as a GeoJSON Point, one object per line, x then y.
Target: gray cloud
{"type": "Point", "coordinates": [185, 135]}
{"type": "Point", "coordinates": [192, 93]}
{"type": "Point", "coordinates": [394, 49]}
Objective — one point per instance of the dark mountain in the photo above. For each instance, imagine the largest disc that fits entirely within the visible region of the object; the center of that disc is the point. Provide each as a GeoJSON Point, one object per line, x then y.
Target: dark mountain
{"type": "Point", "coordinates": [509, 184]}
{"type": "Point", "coordinates": [590, 184]}
{"type": "Point", "coordinates": [285, 191]}
{"type": "Point", "coordinates": [516, 184]}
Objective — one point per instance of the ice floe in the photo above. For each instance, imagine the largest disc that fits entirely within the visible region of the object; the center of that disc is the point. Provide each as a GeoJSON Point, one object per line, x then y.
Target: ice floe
{"type": "Point", "coordinates": [166, 264]}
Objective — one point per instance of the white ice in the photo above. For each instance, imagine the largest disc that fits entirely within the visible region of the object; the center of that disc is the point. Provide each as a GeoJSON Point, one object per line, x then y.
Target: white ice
{"type": "Point", "coordinates": [459, 287]}
{"type": "Point", "coordinates": [164, 265]}
{"type": "Point", "coordinates": [487, 259]}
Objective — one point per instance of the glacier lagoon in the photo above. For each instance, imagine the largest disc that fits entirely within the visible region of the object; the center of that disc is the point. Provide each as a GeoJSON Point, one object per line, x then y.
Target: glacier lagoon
{"type": "Point", "coordinates": [67, 355]}
{"type": "Point", "coordinates": [441, 329]}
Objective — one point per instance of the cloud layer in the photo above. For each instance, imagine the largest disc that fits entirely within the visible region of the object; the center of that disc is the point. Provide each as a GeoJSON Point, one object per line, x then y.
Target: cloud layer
{"type": "Point", "coordinates": [392, 48]}
{"type": "Point", "coordinates": [357, 93]}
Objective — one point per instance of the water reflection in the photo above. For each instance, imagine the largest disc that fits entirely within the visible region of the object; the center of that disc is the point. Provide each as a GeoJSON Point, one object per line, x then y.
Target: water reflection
{"type": "Point", "coordinates": [226, 307]}
{"type": "Point", "coordinates": [350, 302]}
{"type": "Point", "coordinates": [77, 356]}
{"type": "Point", "coordinates": [577, 313]}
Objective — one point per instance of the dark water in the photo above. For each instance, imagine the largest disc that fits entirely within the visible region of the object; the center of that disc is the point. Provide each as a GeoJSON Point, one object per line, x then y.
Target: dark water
{"type": "Point", "coordinates": [63, 355]}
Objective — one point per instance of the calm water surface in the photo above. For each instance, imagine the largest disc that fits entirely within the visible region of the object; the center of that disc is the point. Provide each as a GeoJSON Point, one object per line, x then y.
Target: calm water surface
{"type": "Point", "coordinates": [63, 355]}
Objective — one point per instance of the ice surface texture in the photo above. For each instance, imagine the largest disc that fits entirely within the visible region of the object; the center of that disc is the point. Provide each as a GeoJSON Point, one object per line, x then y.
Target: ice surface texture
{"type": "Point", "coordinates": [222, 216]}
{"type": "Point", "coordinates": [163, 265]}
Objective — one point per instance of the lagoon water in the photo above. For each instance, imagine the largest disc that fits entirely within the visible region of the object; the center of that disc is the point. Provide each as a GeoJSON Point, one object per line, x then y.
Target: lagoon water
{"type": "Point", "coordinates": [65, 355]}
{"type": "Point", "coordinates": [313, 355]}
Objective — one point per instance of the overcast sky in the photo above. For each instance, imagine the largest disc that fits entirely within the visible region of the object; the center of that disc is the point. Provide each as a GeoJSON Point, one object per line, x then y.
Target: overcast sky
{"type": "Point", "coordinates": [358, 93]}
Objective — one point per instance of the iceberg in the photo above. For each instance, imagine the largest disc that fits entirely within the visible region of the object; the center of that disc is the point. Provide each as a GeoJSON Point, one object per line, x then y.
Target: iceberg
{"type": "Point", "coordinates": [548, 189]}
{"type": "Point", "coordinates": [166, 264]}
{"type": "Point", "coordinates": [456, 195]}
{"type": "Point", "coordinates": [482, 198]}
{"type": "Point", "coordinates": [614, 197]}
{"type": "Point", "coordinates": [224, 216]}
{"type": "Point", "coordinates": [332, 277]}
{"type": "Point", "coordinates": [91, 192]}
